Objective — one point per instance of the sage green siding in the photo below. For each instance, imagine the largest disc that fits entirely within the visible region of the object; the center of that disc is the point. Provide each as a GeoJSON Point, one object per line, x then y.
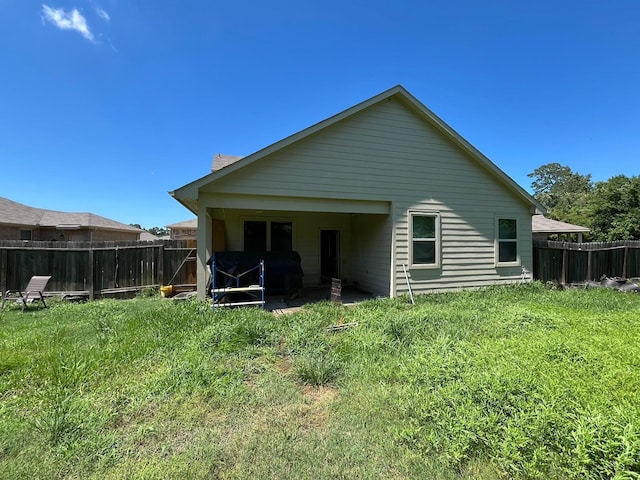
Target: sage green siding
{"type": "Point", "coordinates": [371, 252]}
{"type": "Point", "coordinates": [387, 152]}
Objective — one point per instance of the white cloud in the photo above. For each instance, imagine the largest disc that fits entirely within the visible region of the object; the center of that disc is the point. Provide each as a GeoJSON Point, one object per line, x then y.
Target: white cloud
{"type": "Point", "coordinates": [72, 20]}
{"type": "Point", "coordinates": [103, 14]}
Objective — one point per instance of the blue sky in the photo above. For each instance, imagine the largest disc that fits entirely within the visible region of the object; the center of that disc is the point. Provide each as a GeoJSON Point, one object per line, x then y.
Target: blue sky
{"type": "Point", "coordinates": [106, 105]}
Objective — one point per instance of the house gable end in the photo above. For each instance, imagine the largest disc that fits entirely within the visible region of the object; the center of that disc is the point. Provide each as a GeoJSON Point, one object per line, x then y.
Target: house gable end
{"type": "Point", "coordinates": [382, 152]}
{"type": "Point", "coordinates": [216, 182]}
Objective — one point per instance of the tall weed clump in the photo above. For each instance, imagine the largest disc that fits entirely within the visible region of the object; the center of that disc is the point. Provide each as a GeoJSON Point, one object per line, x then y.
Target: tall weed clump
{"type": "Point", "coordinates": [58, 415]}
{"type": "Point", "coordinates": [313, 350]}
{"type": "Point", "coordinates": [75, 366]}
{"type": "Point", "coordinates": [218, 360]}
{"type": "Point", "coordinates": [542, 385]}
{"type": "Point", "coordinates": [506, 382]}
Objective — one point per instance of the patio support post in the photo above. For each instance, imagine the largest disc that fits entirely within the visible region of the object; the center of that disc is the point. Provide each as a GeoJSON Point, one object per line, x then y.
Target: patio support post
{"type": "Point", "coordinates": [205, 242]}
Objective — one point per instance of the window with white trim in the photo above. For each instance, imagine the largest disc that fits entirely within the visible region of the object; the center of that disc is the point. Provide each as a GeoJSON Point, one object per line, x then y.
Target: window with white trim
{"type": "Point", "coordinates": [425, 239]}
{"type": "Point", "coordinates": [507, 235]}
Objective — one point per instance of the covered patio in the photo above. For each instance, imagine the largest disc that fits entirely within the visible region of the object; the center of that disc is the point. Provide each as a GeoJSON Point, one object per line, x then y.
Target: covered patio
{"type": "Point", "coordinates": [349, 296]}
{"type": "Point", "coordinates": [349, 240]}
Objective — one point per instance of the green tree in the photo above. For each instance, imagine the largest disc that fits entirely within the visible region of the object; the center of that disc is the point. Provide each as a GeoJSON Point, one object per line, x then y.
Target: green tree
{"type": "Point", "coordinates": [615, 209]}
{"type": "Point", "coordinates": [158, 231]}
{"type": "Point", "coordinates": [565, 193]}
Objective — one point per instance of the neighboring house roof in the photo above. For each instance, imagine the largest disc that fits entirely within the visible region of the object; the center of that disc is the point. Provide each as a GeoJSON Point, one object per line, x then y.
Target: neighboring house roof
{"type": "Point", "coordinates": [541, 224]}
{"type": "Point", "coordinates": [188, 194]}
{"type": "Point", "coordinates": [14, 213]}
{"type": "Point", "coordinates": [220, 161]}
{"type": "Point", "coordinates": [193, 223]}
{"type": "Point", "coordinates": [147, 237]}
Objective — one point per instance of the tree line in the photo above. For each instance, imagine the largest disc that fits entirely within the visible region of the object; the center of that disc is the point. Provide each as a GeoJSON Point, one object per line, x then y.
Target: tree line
{"type": "Point", "coordinates": [611, 208]}
{"type": "Point", "coordinates": [157, 231]}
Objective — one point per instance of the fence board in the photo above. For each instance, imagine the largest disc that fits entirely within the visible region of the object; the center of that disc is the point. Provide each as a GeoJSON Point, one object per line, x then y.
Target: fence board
{"type": "Point", "coordinates": [581, 262]}
{"type": "Point", "coordinates": [97, 267]}
{"type": "Point", "coordinates": [547, 264]}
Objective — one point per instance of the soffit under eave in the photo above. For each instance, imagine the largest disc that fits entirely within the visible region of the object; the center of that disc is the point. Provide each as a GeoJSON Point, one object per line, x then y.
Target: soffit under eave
{"type": "Point", "coordinates": [293, 204]}
{"type": "Point", "coordinates": [188, 203]}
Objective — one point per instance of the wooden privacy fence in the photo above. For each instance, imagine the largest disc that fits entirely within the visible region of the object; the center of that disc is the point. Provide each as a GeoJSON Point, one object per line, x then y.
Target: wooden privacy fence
{"type": "Point", "coordinates": [566, 262]}
{"type": "Point", "coordinates": [98, 268]}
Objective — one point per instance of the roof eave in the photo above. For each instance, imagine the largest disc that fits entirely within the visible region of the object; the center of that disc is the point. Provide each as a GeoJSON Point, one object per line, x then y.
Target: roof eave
{"type": "Point", "coordinates": [193, 187]}
{"type": "Point", "coordinates": [187, 193]}
{"type": "Point", "coordinates": [187, 201]}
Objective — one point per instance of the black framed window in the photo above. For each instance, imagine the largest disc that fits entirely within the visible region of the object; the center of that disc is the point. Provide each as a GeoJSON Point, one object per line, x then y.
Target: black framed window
{"type": "Point", "coordinates": [263, 235]}
{"type": "Point", "coordinates": [507, 240]}
{"type": "Point", "coordinates": [255, 236]}
{"type": "Point", "coordinates": [281, 236]}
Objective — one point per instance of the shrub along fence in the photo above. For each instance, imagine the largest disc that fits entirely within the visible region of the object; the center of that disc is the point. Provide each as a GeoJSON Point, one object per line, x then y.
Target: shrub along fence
{"type": "Point", "coordinates": [566, 262]}
{"type": "Point", "coordinates": [98, 268]}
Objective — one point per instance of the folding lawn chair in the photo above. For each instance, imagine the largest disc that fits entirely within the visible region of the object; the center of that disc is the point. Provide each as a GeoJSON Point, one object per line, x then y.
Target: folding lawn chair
{"type": "Point", "coordinates": [32, 292]}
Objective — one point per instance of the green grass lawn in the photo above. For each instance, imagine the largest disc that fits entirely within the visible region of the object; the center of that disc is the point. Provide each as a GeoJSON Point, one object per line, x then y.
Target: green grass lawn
{"type": "Point", "coordinates": [509, 382]}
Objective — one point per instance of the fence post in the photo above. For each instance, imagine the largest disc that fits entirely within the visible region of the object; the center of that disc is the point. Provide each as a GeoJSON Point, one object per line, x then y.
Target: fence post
{"type": "Point", "coordinates": [90, 274]}
{"type": "Point", "coordinates": [589, 265]}
{"type": "Point", "coordinates": [3, 272]}
{"type": "Point", "coordinates": [160, 270]}
{"type": "Point", "coordinates": [624, 262]}
{"type": "Point", "coordinates": [563, 274]}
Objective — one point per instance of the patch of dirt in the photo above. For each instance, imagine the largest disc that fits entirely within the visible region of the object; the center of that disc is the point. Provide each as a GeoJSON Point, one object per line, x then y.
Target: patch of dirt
{"type": "Point", "coordinates": [322, 394]}
{"type": "Point", "coordinates": [284, 365]}
{"type": "Point", "coordinates": [313, 411]}
{"type": "Point", "coordinates": [316, 412]}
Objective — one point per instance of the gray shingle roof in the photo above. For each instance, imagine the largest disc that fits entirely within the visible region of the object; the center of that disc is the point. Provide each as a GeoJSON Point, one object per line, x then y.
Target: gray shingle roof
{"type": "Point", "coordinates": [14, 213]}
{"type": "Point", "coordinates": [193, 223]}
{"type": "Point", "coordinates": [220, 161]}
{"type": "Point", "coordinates": [540, 224]}
{"type": "Point", "coordinates": [148, 237]}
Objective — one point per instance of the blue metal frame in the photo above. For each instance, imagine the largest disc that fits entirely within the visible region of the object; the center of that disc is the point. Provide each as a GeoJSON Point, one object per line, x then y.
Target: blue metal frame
{"type": "Point", "coordinates": [219, 292]}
